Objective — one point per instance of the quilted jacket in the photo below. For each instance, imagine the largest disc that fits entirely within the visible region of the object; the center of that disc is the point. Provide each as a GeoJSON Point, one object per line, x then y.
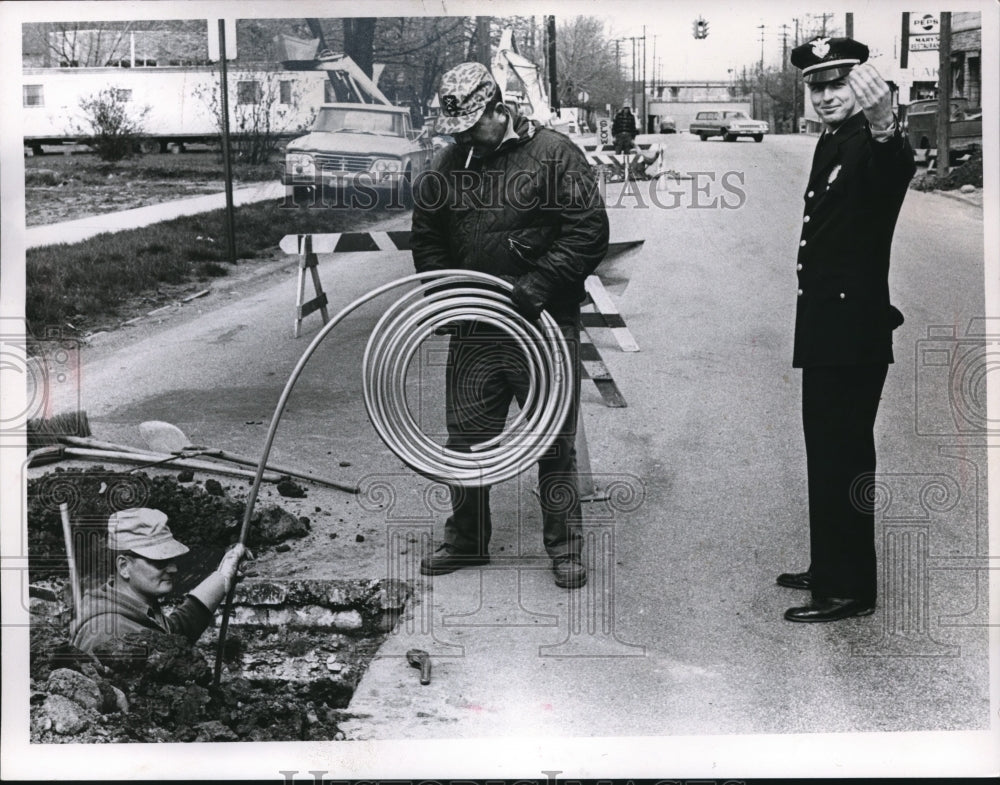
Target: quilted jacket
{"type": "Point", "coordinates": [530, 210]}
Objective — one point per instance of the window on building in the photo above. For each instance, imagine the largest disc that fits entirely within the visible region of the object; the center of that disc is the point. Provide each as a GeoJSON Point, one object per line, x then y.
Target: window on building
{"type": "Point", "coordinates": [285, 89]}
{"type": "Point", "coordinates": [248, 92]}
{"type": "Point", "coordinates": [975, 80]}
{"type": "Point", "coordinates": [33, 95]}
{"type": "Point", "coordinates": [123, 95]}
{"type": "Point", "coordinates": [958, 74]}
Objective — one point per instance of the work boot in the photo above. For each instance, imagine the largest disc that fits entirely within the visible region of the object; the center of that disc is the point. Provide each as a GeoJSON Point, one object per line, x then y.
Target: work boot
{"type": "Point", "coordinates": [447, 559]}
{"type": "Point", "coordinates": [569, 571]}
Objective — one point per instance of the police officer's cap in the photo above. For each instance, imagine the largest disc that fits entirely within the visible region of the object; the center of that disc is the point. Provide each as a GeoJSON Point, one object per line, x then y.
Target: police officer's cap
{"type": "Point", "coordinates": [827, 59]}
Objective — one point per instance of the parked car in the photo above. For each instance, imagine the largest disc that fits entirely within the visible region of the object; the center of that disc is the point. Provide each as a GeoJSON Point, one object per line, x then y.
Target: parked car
{"type": "Point", "coordinates": [729, 124]}
{"type": "Point", "coordinates": [965, 124]}
{"type": "Point", "coordinates": [371, 148]}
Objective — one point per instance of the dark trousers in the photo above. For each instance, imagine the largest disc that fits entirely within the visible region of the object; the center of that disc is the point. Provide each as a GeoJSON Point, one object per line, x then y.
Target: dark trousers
{"type": "Point", "coordinates": [624, 142]}
{"type": "Point", "coordinates": [839, 405]}
{"type": "Point", "coordinates": [485, 372]}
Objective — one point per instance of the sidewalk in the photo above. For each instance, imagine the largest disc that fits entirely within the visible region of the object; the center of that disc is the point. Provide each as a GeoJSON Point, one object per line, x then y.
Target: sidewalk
{"type": "Point", "coordinates": [84, 228]}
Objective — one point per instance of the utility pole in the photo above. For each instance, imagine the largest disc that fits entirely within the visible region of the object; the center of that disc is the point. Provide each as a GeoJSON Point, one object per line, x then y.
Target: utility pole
{"type": "Point", "coordinates": [795, 86]}
{"type": "Point", "coordinates": [760, 75]}
{"type": "Point", "coordinates": [553, 81]}
{"type": "Point", "coordinates": [655, 79]}
{"type": "Point", "coordinates": [784, 48]}
{"type": "Point", "coordinates": [825, 17]}
{"type": "Point", "coordinates": [631, 86]}
{"type": "Point", "coordinates": [849, 24]}
{"type": "Point", "coordinates": [904, 42]}
{"type": "Point", "coordinates": [645, 113]}
{"type": "Point", "coordinates": [944, 96]}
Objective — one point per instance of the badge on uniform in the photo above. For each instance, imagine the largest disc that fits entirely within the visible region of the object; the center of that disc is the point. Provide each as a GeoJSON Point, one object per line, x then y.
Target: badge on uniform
{"type": "Point", "coordinates": [833, 174]}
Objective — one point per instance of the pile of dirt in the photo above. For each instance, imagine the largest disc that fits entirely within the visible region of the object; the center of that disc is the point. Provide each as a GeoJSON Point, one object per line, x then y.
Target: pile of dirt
{"type": "Point", "coordinates": [207, 520]}
{"type": "Point", "coordinates": [969, 173]}
{"type": "Point", "coordinates": [153, 687]}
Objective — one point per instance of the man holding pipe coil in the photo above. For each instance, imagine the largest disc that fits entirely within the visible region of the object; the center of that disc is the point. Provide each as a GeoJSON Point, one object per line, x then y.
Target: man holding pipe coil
{"type": "Point", "coordinates": [519, 201]}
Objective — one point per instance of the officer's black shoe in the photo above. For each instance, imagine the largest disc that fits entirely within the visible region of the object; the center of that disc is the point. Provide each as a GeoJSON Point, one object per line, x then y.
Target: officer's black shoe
{"type": "Point", "coordinates": [795, 580]}
{"type": "Point", "coordinates": [569, 571]}
{"type": "Point", "coordinates": [831, 609]}
{"type": "Point", "coordinates": [447, 559]}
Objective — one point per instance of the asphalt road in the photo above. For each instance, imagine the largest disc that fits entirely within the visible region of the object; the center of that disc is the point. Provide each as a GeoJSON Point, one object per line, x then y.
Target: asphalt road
{"type": "Point", "coordinates": [680, 629]}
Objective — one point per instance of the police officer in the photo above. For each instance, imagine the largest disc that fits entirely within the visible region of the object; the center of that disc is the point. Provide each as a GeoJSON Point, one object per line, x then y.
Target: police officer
{"type": "Point", "coordinates": [843, 321]}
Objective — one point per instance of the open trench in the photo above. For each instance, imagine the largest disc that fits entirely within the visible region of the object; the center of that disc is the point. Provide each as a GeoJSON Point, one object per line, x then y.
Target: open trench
{"type": "Point", "coordinates": [295, 648]}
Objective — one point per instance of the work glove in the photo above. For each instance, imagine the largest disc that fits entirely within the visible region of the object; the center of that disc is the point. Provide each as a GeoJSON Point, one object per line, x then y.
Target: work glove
{"type": "Point", "coordinates": [229, 566]}
{"type": "Point", "coordinates": [527, 302]}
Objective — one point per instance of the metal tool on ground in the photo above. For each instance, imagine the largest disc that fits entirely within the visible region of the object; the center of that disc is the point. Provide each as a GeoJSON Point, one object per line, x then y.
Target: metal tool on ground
{"type": "Point", "coordinates": [149, 458]}
{"type": "Point", "coordinates": [167, 437]}
{"type": "Point", "coordinates": [418, 658]}
{"type": "Point", "coordinates": [74, 578]}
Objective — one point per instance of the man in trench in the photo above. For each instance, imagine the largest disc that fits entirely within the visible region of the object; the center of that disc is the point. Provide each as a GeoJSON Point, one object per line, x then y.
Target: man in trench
{"type": "Point", "coordinates": [145, 563]}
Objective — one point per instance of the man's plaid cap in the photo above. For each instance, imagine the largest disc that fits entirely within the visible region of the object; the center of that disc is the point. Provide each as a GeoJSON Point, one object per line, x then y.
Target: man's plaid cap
{"type": "Point", "coordinates": [465, 91]}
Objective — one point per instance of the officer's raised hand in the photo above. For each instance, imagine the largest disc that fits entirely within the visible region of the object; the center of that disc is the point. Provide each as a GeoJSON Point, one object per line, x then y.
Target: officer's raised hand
{"type": "Point", "coordinates": [873, 94]}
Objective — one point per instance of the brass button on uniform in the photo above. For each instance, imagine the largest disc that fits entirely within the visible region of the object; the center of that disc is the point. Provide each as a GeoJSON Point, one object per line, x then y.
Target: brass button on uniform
{"type": "Point", "coordinates": [810, 194]}
{"type": "Point", "coordinates": [798, 267]}
{"type": "Point", "coordinates": [842, 296]}
{"type": "Point", "coordinates": [805, 220]}
{"type": "Point", "coordinates": [802, 244]}
{"type": "Point", "coordinates": [800, 292]}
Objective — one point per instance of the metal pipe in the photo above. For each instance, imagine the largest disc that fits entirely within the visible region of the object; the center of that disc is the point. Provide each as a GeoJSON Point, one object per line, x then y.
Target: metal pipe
{"type": "Point", "coordinates": [443, 297]}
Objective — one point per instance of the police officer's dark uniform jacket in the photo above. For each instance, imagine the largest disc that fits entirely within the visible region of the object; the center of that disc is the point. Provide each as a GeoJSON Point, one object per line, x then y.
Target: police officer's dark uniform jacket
{"type": "Point", "coordinates": [855, 191]}
{"type": "Point", "coordinates": [843, 331]}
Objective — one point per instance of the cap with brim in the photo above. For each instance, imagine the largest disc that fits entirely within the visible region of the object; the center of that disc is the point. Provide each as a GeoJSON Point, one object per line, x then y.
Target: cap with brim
{"type": "Point", "coordinates": [826, 59]}
{"type": "Point", "coordinates": [143, 531]}
{"type": "Point", "coordinates": [828, 72]}
{"type": "Point", "coordinates": [465, 92]}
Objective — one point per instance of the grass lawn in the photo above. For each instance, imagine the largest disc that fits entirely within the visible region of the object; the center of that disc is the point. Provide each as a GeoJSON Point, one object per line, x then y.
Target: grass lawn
{"type": "Point", "coordinates": [64, 187]}
{"type": "Point", "coordinates": [91, 280]}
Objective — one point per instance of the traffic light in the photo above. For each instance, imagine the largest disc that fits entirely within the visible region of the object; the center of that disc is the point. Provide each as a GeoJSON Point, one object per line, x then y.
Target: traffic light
{"type": "Point", "coordinates": [700, 28]}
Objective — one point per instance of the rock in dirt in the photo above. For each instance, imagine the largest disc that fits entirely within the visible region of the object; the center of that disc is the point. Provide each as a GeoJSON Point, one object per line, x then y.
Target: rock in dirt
{"type": "Point", "coordinates": [75, 686]}
{"type": "Point", "coordinates": [185, 476]}
{"type": "Point", "coordinates": [276, 525]}
{"type": "Point", "coordinates": [214, 731]}
{"type": "Point", "coordinates": [291, 490]}
{"type": "Point", "coordinates": [61, 715]}
{"type": "Point", "coordinates": [215, 488]}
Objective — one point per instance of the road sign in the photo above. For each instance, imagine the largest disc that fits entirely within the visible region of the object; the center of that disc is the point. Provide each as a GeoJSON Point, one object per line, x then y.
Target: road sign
{"type": "Point", "coordinates": [924, 24]}
{"type": "Point", "coordinates": [924, 43]}
{"type": "Point", "coordinates": [213, 39]}
{"type": "Point", "coordinates": [604, 130]}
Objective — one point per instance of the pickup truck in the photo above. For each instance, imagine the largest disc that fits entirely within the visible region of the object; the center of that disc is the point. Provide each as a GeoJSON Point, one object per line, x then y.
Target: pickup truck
{"type": "Point", "coordinates": [965, 126]}
{"type": "Point", "coordinates": [371, 148]}
{"type": "Point", "coordinates": [729, 124]}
